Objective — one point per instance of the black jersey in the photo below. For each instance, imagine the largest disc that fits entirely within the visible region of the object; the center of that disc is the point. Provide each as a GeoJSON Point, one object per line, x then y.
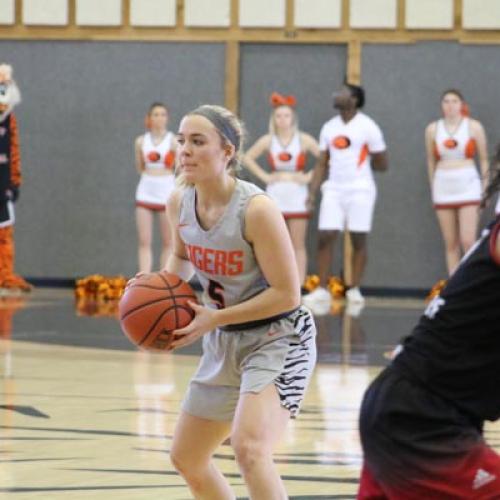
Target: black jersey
{"type": "Point", "coordinates": [455, 348]}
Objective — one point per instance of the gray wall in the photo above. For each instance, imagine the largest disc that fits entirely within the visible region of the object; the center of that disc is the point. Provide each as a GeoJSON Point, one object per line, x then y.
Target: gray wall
{"type": "Point", "coordinates": [84, 103]}
{"type": "Point", "coordinates": [404, 85]}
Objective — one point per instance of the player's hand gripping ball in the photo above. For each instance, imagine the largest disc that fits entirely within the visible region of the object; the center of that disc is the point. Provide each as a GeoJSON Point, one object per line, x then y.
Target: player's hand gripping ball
{"type": "Point", "coordinates": [152, 307]}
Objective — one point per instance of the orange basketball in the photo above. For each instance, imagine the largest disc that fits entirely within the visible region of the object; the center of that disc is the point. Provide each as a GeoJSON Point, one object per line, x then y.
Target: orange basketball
{"type": "Point", "coordinates": [154, 305]}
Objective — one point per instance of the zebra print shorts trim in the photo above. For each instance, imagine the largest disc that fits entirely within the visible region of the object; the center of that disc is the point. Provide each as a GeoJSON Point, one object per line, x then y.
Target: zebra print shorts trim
{"type": "Point", "coordinates": [299, 362]}
{"type": "Point", "coordinates": [282, 353]}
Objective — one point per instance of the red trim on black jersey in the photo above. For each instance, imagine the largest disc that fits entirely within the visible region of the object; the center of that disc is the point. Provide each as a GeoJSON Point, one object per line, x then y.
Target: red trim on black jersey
{"type": "Point", "coordinates": [493, 243]}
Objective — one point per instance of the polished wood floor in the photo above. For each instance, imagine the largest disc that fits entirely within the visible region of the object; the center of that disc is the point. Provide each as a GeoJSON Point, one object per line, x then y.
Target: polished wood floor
{"type": "Point", "coordinates": [85, 416]}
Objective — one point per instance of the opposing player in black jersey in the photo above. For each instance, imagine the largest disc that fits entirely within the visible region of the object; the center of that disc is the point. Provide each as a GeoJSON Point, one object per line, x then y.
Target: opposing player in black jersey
{"type": "Point", "coordinates": [422, 418]}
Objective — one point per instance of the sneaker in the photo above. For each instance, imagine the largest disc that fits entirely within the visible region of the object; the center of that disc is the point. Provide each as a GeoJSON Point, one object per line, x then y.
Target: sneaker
{"type": "Point", "coordinates": [354, 309]}
{"type": "Point", "coordinates": [354, 295]}
{"type": "Point", "coordinates": [319, 296]}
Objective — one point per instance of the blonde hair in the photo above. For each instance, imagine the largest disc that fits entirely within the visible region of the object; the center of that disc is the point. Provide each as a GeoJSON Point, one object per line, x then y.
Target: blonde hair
{"type": "Point", "coordinates": [272, 120]}
{"type": "Point", "coordinates": [230, 129]}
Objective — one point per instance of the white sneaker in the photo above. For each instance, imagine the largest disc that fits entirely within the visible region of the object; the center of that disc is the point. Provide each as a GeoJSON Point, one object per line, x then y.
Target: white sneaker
{"type": "Point", "coordinates": [354, 309]}
{"type": "Point", "coordinates": [354, 295]}
{"type": "Point", "coordinates": [319, 296]}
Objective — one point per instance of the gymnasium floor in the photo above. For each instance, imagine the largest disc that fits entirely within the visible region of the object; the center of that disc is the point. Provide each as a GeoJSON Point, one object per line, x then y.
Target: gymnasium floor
{"type": "Point", "coordinates": [83, 415]}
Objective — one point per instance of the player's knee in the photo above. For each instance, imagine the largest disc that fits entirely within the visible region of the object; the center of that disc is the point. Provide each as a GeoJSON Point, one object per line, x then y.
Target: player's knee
{"type": "Point", "coordinates": [188, 468]}
{"type": "Point", "coordinates": [247, 451]}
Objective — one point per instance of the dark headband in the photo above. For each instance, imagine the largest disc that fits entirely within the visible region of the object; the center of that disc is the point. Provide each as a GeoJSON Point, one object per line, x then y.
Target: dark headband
{"type": "Point", "coordinates": [220, 123]}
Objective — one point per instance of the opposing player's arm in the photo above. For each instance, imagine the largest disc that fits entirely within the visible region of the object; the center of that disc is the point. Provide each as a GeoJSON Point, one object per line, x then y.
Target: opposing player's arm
{"type": "Point", "coordinates": [266, 231]}
{"type": "Point", "coordinates": [250, 158]}
{"type": "Point", "coordinates": [178, 261]}
{"type": "Point", "coordinates": [478, 133]}
{"type": "Point", "coordinates": [430, 133]}
{"type": "Point", "coordinates": [139, 160]}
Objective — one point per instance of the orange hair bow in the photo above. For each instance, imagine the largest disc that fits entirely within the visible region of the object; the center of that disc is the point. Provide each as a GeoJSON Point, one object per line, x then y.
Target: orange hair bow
{"type": "Point", "coordinates": [465, 110]}
{"type": "Point", "coordinates": [277, 99]}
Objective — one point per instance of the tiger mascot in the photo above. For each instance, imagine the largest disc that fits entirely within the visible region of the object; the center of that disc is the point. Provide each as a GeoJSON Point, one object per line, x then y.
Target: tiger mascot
{"type": "Point", "coordinates": [10, 179]}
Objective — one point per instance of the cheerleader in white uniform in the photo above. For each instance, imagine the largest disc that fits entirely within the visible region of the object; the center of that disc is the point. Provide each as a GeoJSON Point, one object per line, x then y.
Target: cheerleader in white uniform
{"type": "Point", "coordinates": [287, 148]}
{"type": "Point", "coordinates": [452, 143]}
{"type": "Point", "coordinates": [155, 161]}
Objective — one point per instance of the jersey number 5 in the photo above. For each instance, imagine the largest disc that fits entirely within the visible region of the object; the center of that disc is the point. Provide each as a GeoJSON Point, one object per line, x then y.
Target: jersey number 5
{"type": "Point", "coordinates": [215, 292]}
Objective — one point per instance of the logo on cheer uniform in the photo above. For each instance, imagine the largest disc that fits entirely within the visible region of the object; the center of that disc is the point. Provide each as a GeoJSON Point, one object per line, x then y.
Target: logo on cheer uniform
{"type": "Point", "coordinates": [284, 156]}
{"type": "Point", "coordinates": [341, 142]}
{"type": "Point", "coordinates": [450, 143]}
{"type": "Point", "coordinates": [154, 156]}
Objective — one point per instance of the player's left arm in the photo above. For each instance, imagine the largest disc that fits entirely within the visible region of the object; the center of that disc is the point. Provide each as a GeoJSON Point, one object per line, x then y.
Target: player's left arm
{"type": "Point", "coordinates": [478, 133]}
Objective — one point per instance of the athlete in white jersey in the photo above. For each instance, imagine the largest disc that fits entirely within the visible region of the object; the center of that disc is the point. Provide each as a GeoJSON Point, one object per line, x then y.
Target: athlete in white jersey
{"type": "Point", "coordinates": [155, 161]}
{"type": "Point", "coordinates": [258, 342]}
{"type": "Point", "coordinates": [351, 146]}
{"type": "Point", "coordinates": [452, 144]}
{"type": "Point", "coordinates": [287, 148]}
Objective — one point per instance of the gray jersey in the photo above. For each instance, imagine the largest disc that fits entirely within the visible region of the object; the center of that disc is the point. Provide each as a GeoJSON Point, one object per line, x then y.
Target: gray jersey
{"type": "Point", "coordinates": [224, 261]}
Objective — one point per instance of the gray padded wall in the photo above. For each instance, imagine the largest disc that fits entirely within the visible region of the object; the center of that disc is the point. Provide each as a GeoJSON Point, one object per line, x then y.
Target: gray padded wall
{"type": "Point", "coordinates": [404, 84]}
{"type": "Point", "coordinates": [83, 105]}
{"type": "Point", "coordinates": [310, 73]}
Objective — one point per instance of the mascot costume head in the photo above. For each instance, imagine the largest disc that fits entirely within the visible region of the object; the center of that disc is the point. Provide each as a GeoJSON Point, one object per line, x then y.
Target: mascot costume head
{"type": "Point", "coordinates": [10, 179]}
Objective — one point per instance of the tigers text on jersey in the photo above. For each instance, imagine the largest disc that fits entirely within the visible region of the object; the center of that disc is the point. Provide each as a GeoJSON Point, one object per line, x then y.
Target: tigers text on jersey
{"type": "Point", "coordinates": [224, 261]}
{"type": "Point", "coordinates": [159, 156]}
{"type": "Point", "coordinates": [350, 145]}
{"type": "Point", "coordinates": [288, 158]}
{"type": "Point", "coordinates": [455, 348]}
{"type": "Point", "coordinates": [457, 146]}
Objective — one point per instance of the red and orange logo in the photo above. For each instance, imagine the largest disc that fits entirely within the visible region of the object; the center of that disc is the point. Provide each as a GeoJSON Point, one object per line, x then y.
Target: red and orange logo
{"type": "Point", "coordinates": [284, 156]}
{"type": "Point", "coordinates": [153, 156]}
{"type": "Point", "coordinates": [450, 143]}
{"type": "Point", "coordinates": [341, 142]}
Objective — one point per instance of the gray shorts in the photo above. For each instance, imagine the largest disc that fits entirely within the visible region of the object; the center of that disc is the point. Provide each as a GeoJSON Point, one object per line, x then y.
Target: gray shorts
{"type": "Point", "coordinates": [237, 362]}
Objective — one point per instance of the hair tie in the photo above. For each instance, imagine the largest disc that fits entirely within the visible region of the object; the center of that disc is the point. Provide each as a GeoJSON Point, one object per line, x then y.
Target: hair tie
{"type": "Point", "coordinates": [277, 100]}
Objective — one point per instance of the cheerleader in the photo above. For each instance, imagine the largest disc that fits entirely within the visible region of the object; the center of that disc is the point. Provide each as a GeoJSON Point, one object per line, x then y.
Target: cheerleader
{"type": "Point", "coordinates": [155, 162]}
{"type": "Point", "coordinates": [286, 148]}
{"type": "Point", "coordinates": [452, 143]}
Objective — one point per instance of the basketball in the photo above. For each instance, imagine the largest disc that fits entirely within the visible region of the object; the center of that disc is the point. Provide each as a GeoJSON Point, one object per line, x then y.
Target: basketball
{"type": "Point", "coordinates": [152, 307]}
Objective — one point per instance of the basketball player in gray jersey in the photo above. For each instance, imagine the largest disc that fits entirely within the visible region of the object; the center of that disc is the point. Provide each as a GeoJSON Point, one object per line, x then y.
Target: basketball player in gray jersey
{"type": "Point", "coordinates": [258, 343]}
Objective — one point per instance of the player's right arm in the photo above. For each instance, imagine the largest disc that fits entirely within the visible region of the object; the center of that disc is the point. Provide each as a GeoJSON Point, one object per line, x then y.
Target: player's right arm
{"type": "Point", "coordinates": [430, 133]}
{"type": "Point", "coordinates": [250, 159]}
{"type": "Point", "coordinates": [178, 261]}
{"type": "Point", "coordinates": [139, 160]}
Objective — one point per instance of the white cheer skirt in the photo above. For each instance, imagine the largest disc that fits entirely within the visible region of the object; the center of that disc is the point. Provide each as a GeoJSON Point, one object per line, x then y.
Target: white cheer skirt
{"type": "Point", "coordinates": [455, 188]}
{"type": "Point", "coordinates": [290, 197]}
{"type": "Point", "coordinates": [153, 191]}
